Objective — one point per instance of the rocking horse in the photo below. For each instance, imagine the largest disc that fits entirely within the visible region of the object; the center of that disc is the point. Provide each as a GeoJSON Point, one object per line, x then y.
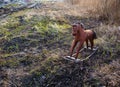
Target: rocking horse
{"type": "Point", "coordinates": [80, 36]}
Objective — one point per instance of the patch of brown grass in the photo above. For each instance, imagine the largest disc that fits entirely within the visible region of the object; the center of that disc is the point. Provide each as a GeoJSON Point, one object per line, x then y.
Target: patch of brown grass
{"type": "Point", "coordinates": [105, 9]}
{"type": "Point", "coordinates": [109, 74]}
{"type": "Point", "coordinates": [108, 38]}
{"type": "Point", "coordinates": [109, 10]}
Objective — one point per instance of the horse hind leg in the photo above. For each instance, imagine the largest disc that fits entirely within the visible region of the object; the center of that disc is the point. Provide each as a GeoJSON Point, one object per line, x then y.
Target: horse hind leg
{"type": "Point", "coordinates": [87, 43]}
{"type": "Point", "coordinates": [92, 44]}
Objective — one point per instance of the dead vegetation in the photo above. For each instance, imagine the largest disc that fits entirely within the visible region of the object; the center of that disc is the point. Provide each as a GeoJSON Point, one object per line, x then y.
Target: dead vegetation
{"type": "Point", "coordinates": [109, 73]}
{"type": "Point", "coordinates": [104, 9]}
{"type": "Point", "coordinates": [31, 53]}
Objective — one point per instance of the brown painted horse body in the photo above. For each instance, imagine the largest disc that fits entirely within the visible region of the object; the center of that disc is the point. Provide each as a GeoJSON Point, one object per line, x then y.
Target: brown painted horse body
{"type": "Point", "coordinates": [81, 35]}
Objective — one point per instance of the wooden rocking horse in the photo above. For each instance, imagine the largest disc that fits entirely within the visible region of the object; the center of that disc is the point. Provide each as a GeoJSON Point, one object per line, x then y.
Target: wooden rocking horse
{"type": "Point", "coordinates": [81, 35]}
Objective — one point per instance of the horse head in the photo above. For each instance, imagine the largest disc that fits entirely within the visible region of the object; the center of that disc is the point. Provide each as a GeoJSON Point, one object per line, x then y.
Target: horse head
{"type": "Point", "coordinates": [75, 29]}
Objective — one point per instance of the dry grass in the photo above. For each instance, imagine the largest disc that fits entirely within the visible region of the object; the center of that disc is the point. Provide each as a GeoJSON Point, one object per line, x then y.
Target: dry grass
{"type": "Point", "coordinates": [108, 37]}
{"type": "Point", "coordinates": [105, 9]}
{"type": "Point", "coordinates": [109, 10]}
{"type": "Point", "coordinates": [109, 74]}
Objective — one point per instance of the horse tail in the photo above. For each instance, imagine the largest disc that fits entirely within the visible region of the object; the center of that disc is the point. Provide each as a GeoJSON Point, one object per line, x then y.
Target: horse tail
{"type": "Point", "coordinates": [94, 35]}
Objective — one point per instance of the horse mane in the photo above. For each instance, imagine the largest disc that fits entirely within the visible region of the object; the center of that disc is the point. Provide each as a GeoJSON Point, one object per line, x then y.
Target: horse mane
{"type": "Point", "coordinates": [82, 25]}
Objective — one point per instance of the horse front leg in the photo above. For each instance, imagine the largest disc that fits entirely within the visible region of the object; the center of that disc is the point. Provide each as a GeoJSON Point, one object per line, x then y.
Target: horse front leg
{"type": "Point", "coordinates": [74, 43]}
{"type": "Point", "coordinates": [78, 49]}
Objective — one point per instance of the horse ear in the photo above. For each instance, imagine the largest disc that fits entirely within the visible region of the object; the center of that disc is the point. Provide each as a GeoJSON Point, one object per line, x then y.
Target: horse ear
{"type": "Point", "coordinates": [82, 25]}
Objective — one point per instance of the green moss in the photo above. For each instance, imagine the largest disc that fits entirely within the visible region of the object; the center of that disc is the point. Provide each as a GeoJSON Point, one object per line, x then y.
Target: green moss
{"type": "Point", "coordinates": [3, 62]}
{"type": "Point", "coordinates": [11, 5]}
{"type": "Point", "coordinates": [6, 55]}
{"type": "Point", "coordinates": [12, 62]}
